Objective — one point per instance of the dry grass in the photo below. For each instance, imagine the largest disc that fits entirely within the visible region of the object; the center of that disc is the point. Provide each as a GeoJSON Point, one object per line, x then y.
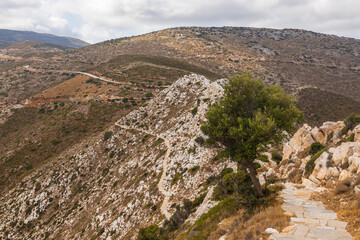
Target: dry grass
{"type": "Point", "coordinates": [343, 186]}
{"type": "Point", "coordinates": [347, 207]}
{"type": "Point", "coordinates": [243, 226]}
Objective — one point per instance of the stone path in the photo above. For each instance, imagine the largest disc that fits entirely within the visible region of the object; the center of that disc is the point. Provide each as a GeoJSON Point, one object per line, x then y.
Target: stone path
{"type": "Point", "coordinates": [310, 219]}
{"type": "Point", "coordinates": [167, 195]}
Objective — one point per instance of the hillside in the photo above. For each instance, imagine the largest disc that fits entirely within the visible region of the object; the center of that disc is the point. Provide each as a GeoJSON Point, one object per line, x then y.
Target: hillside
{"type": "Point", "coordinates": [10, 37]}
{"type": "Point", "coordinates": [100, 141]}
{"type": "Point", "coordinates": [303, 62]}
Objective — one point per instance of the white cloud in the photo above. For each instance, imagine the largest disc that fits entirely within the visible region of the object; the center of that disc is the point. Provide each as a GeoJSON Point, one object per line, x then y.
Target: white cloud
{"type": "Point", "coordinates": [94, 20]}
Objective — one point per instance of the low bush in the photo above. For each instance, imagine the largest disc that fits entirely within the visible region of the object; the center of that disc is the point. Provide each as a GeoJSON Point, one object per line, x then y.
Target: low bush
{"type": "Point", "coordinates": [151, 232]}
{"type": "Point", "coordinates": [236, 185]}
{"type": "Point", "coordinates": [107, 135]}
{"type": "Point", "coordinates": [276, 157]}
{"type": "Point", "coordinates": [263, 158]}
{"type": "Point", "coordinates": [309, 167]}
{"type": "Point", "coordinates": [351, 122]}
{"type": "Point", "coordinates": [315, 147]}
{"type": "Point", "coordinates": [194, 111]}
{"type": "Point", "coordinates": [200, 140]}
{"type": "Point", "coordinates": [194, 170]}
{"type": "Point", "coordinates": [343, 186]}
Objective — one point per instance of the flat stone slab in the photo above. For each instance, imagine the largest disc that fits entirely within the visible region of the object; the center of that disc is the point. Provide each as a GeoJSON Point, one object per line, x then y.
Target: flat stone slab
{"type": "Point", "coordinates": [313, 220]}
{"type": "Point", "coordinates": [305, 220]}
{"type": "Point", "coordinates": [330, 234]}
{"type": "Point", "coordinates": [336, 223]}
{"type": "Point", "coordinates": [320, 215]}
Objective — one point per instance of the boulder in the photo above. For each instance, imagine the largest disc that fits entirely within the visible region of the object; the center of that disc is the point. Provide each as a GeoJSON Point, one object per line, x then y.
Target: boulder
{"type": "Point", "coordinates": [354, 163]}
{"type": "Point", "coordinates": [356, 132]}
{"type": "Point", "coordinates": [318, 135]}
{"type": "Point", "coordinates": [308, 183]}
{"type": "Point", "coordinates": [332, 130]}
{"type": "Point", "coordinates": [332, 172]}
{"type": "Point", "coordinates": [271, 231]}
{"type": "Point", "coordinates": [344, 175]}
{"type": "Point", "coordinates": [357, 189]}
{"type": "Point", "coordinates": [299, 143]}
{"type": "Point", "coordinates": [321, 166]}
{"type": "Point", "coordinates": [270, 173]}
{"type": "Point", "coordinates": [342, 152]}
{"type": "Point", "coordinates": [304, 162]}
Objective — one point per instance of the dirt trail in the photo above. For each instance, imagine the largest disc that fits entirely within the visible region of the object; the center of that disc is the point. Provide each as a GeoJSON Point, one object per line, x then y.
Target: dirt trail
{"type": "Point", "coordinates": [164, 205]}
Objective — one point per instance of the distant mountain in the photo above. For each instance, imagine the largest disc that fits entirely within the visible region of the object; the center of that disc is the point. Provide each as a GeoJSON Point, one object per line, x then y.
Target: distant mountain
{"type": "Point", "coordinates": [10, 37]}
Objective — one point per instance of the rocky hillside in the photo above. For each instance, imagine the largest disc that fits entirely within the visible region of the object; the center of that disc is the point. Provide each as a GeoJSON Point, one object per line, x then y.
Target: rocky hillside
{"type": "Point", "coordinates": [321, 70]}
{"type": "Point", "coordinates": [324, 160]}
{"type": "Point", "coordinates": [131, 175]}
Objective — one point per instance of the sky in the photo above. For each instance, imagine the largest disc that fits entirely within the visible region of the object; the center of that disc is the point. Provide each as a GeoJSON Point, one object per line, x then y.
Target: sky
{"type": "Point", "coordinates": [99, 20]}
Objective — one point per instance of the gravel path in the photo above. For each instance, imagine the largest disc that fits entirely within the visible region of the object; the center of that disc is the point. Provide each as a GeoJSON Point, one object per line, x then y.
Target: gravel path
{"type": "Point", "coordinates": [311, 219]}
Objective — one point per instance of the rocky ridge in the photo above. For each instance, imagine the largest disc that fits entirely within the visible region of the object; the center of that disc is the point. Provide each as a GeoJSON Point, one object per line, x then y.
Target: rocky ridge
{"type": "Point", "coordinates": [108, 187]}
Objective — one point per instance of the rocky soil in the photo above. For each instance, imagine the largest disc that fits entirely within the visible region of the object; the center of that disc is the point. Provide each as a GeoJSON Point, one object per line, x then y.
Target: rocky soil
{"type": "Point", "coordinates": [108, 187]}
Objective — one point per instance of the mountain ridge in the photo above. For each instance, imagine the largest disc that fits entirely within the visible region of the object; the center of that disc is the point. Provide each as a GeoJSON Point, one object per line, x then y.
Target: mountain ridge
{"type": "Point", "coordinates": [10, 37]}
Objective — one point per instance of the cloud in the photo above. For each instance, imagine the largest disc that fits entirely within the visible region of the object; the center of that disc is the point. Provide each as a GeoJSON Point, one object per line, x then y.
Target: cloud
{"type": "Point", "coordinates": [94, 20]}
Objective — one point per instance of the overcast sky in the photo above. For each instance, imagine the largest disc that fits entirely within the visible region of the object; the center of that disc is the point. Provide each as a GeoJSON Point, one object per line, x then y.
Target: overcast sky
{"type": "Point", "coordinates": [99, 20]}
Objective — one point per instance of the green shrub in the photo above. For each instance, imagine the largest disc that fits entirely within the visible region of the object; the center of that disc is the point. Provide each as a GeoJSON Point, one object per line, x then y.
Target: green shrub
{"type": "Point", "coordinates": [194, 111]}
{"type": "Point", "coordinates": [194, 170]}
{"type": "Point", "coordinates": [176, 178]}
{"type": "Point", "coordinates": [225, 171]}
{"type": "Point", "coordinates": [125, 100]}
{"type": "Point", "coordinates": [107, 135]}
{"type": "Point", "coordinates": [151, 232]}
{"type": "Point", "coordinates": [208, 222]}
{"type": "Point", "coordinates": [350, 122]}
{"type": "Point", "coordinates": [315, 147]}
{"type": "Point", "coordinates": [200, 140]}
{"type": "Point", "coordinates": [263, 158]}
{"type": "Point", "coordinates": [149, 95]}
{"type": "Point", "coordinates": [276, 157]}
{"type": "Point", "coordinates": [181, 214]}
{"type": "Point", "coordinates": [236, 185]}
{"type": "Point", "coordinates": [5, 94]}
{"type": "Point", "coordinates": [309, 167]}
{"type": "Point", "coordinates": [55, 141]}
{"type": "Point", "coordinates": [28, 167]}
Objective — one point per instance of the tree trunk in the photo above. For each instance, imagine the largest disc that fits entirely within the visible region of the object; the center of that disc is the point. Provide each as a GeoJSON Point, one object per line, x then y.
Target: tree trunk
{"type": "Point", "coordinates": [254, 179]}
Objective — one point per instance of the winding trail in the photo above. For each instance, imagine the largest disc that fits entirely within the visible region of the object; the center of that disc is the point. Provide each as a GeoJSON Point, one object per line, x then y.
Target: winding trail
{"type": "Point", "coordinates": [311, 218]}
{"type": "Point", "coordinates": [164, 205]}
{"type": "Point", "coordinates": [97, 77]}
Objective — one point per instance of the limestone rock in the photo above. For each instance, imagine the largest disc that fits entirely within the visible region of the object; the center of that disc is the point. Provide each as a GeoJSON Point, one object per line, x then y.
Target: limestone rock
{"type": "Point", "coordinates": [300, 142]}
{"type": "Point", "coordinates": [357, 189]}
{"type": "Point", "coordinates": [332, 172]}
{"type": "Point", "coordinates": [341, 153]}
{"type": "Point", "coordinates": [318, 135]}
{"type": "Point", "coordinates": [332, 130]}
{"type": "Point", "coordinates": [271, 230]}
{"type": "Point", "coordinates": [354, 162]}
{"type": "Point", "coordinates": [356, 132]}
{"type": "Point", "coordinates": [344, 175]}
{"type": "Point", "coordinates": [321, 166]}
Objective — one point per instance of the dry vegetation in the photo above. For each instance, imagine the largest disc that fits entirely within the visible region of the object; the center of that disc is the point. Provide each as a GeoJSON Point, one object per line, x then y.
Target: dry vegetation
{"type": "Point", "coordinates": [345, 203]}
{"type": "Point", "coordinates": [253, 227]}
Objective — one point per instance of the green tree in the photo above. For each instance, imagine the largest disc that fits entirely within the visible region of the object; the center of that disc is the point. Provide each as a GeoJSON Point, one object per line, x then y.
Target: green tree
{"type": "Point", "coordinates": [249, 118]}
